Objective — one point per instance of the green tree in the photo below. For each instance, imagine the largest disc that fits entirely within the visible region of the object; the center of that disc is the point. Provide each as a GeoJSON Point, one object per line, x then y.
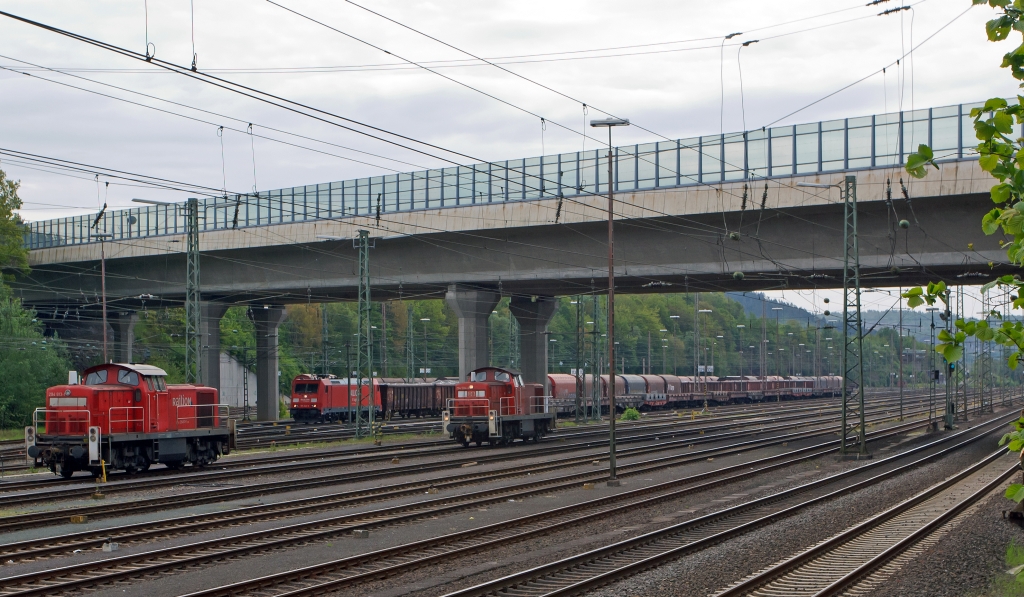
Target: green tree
{"type": "Point", "coordinates": [13, 255]}
{"type": "Point", "coordinates": [29, 361]}
{"type": "Point", "coordinates": [1001, 156]}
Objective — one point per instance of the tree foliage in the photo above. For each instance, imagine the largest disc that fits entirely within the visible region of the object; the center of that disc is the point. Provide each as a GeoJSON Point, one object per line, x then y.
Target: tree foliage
{"type": "Point", "coordinates": [1001, 156]}
{"type": "Point", "coordinates": [29, 361]}
{"type": "Point", "coordinates": [13, 255]}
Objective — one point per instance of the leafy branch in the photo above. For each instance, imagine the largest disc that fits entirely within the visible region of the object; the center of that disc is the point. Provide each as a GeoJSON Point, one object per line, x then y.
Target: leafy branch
{"type": "Point", "coordinates": [1001, 156]}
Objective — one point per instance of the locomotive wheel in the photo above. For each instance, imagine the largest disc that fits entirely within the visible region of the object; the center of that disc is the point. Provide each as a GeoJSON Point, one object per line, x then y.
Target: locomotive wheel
{"type": "Point", "coordinates": [465, 443]}
{"type": "Point", "coordinates": [66, 472]}
{"type": "Point", "coordinates": [479, 443]}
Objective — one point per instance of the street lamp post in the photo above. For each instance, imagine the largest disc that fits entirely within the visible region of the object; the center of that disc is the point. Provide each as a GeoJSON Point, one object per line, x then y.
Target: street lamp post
{"type": "Point", "coordinates": [425, 320]}
{"type": "Point", "coordinates": [741, 327]}
{"type": "Point", "coordinates": [778, 365]}
{"type": "Point", "coordinates": [675, 321]}
{"type": "Point", "coordinates": [608, 123]}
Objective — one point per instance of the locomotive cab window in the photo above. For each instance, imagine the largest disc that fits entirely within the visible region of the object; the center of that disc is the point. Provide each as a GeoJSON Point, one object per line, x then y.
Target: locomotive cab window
{"type": "Point", "coordinates": [96, 378]}
{"type": "Point", "coordinates": [126, 377]}
{"type": "Point", "coordinates": [480, 376]}
{"type": "Point", "coordinates": [501, 376]}
{"type": "Point", "coordinates": [156, 382]}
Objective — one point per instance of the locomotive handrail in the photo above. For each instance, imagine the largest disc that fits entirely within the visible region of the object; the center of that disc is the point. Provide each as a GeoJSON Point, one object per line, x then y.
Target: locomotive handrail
{"type": "Point", "coordinates": [138, 424]}
{"type": "Point", "coordinates": [472, 407]}
{"type": "Point", "coordinates": [204, 416]}
{"type": "Point", "coordinates": [62, 423]}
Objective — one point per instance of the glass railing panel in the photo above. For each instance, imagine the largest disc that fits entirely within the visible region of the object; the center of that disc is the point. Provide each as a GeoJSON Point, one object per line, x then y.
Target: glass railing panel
{"type": "Point", "coordinates": [757, 154]}
{"type": "Point", "coordinates": [515, 180]}
{"type": "Point", "coordinates": [833, 146]}
{"type": "Point", "coordinates": [668, 158]}
{"type": "Point", "coordinates": [569, 179]}
{"type": "Point", "coordinates": [915, 133]}
{"type": "Point", "coordinates": [735, 158]}
{"type": "Point", "coordinates": [646, 165]}
{"type": "Point", "coordinates": [588, 172]}
{"type": "Point", "coordinates": [887, 142]}
{"type": "Point", "coordinates": [945, 137]}
{"type": "Point", "coordinates": [807, 151]}
{"type": "Point", "coordinates": [625, 168]}
{"type": "Point", "coordinates": [711, 159]}
{"type": "Point", "coordinates": [689, 161]}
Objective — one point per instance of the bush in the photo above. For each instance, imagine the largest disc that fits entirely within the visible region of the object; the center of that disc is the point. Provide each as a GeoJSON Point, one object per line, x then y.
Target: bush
{"type": "Point", "coordinates": [630, 414]}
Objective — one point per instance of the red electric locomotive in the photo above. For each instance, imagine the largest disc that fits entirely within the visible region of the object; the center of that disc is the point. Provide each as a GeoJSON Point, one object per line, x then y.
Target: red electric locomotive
{"type": "Point", "coordinates": [125, 416]}
{"type": "Point", "coordinates": [325, 398]}
{"type": "Point", "coordinates": [495, 406]}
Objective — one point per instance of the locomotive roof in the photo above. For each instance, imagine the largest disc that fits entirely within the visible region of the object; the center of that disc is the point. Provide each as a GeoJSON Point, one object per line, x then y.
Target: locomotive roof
{"type": "Point", "coordinates": [512, 371]}
{"type": "Point", "coordinates": [139, 368]}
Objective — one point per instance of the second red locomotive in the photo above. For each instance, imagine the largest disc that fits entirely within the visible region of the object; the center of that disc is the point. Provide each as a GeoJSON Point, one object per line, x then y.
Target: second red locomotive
{"type": "Point", "coordinates": [495, 406]}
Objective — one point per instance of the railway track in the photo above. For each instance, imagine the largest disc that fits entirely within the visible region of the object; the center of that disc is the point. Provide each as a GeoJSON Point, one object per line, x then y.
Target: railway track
{"type": "Point", "coordinates": [291, 463]}
{"type": "Point", "coordinates": [286, 433]}
{"type": "Point", "coordinates": [37, 519]}
{"type": "Point", "coordinates": [591, 570]}
{"type": "Point", "coordinates": [857, 557]}
{"type": "Point", "coordinates": [166, 559]}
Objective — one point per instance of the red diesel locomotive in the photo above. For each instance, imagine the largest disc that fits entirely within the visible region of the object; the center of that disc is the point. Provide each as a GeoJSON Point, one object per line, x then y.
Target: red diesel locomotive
{"type": "Point", "coordinates": [495, 406]}
{"type": "Point", "coordinates": [125, 416]}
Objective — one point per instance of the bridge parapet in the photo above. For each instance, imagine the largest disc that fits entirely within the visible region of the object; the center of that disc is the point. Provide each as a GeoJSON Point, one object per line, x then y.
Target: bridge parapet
{"type": "Point", "coordinates": [679, 177]}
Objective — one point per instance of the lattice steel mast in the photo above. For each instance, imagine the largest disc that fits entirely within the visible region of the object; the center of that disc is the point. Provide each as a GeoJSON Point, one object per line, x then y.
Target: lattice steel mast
{"type": "Point", "coordinates": [193, 339]}
{"type": "Point", "coordinates": [853, 347]}
{"type": "Point", "coordinates": [364, 352]}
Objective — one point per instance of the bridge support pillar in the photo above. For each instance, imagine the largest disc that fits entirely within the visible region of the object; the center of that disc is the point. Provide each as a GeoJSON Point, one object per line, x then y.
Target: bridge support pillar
{"type": "Point", "coordinates": [474, 308]}
{"type": "Point", "coordinates": [123, 325]}
{"type": "Point", "coordinates": [534, 314]}
{"type": "Point", "coordinates": [267, 320]}
{"type": "Point", "coordinates": [210, 314]}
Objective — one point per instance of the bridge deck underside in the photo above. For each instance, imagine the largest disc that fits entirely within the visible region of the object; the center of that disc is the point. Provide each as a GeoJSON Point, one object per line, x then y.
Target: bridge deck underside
{"type": "Point", "coordinates": [797, 247]}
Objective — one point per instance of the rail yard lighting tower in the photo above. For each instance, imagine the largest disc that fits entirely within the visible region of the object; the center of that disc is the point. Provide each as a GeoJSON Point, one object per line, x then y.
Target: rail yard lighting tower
{"type": "Point", "coordinates": [425, 368]}
{"type": "Point", "coordinates": [609, 123]}
{"type": "Point", "coordinates": [675, 323]}
{"type": "Point", "coordinates": [741, 327]}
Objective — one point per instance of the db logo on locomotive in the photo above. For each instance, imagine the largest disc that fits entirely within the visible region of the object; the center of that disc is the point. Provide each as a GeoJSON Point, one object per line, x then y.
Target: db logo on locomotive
{"type": "Point", "coordinates": [181, 401]}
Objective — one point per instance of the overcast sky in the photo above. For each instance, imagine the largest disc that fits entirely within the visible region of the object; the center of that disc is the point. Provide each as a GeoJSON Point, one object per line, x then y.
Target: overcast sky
{"type": "Point", "coordinates": [663, 73]}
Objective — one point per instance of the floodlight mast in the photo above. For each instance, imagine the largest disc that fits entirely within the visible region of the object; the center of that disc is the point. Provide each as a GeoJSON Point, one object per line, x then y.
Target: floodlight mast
{"type": "Point", "coordinates": [608, 123]}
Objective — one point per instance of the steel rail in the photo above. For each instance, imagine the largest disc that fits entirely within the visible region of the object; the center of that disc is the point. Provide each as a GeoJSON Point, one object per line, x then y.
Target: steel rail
{"type": "Point", "coordinates": [590, 570]}
{"type": "Point", "coordinates": [216, 549]}
{"type": "Point", "coordinates": [873, 551]}
{"type": "Point", "coordinates": [414, 487]}
{"type": "Point", "coordinates": [643, 434]}
{"type": "Point", "coordinates": [392, 561]}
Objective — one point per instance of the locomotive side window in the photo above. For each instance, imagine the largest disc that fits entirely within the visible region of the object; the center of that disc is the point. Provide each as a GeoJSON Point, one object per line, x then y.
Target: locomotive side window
{"type": "Point", "coordinates": [96, 377]}
{"type": "Point", "coordinates": [502, 376]}
{"type": "Point", "coordinates": [130, 378]}
{"type": "Point", "coordinates": [479, 376]}
{"type": "Point", "coordinates": [156, 382]}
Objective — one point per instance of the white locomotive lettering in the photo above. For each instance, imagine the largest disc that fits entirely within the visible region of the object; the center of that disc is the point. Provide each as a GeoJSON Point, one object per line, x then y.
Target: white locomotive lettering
{"type": "Point", "coordinates": [181, 401]}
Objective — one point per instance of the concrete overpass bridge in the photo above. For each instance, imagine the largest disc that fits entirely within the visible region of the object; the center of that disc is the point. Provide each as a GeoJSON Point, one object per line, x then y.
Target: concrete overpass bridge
{"type": "Point", "coordinates": [690, 214]}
